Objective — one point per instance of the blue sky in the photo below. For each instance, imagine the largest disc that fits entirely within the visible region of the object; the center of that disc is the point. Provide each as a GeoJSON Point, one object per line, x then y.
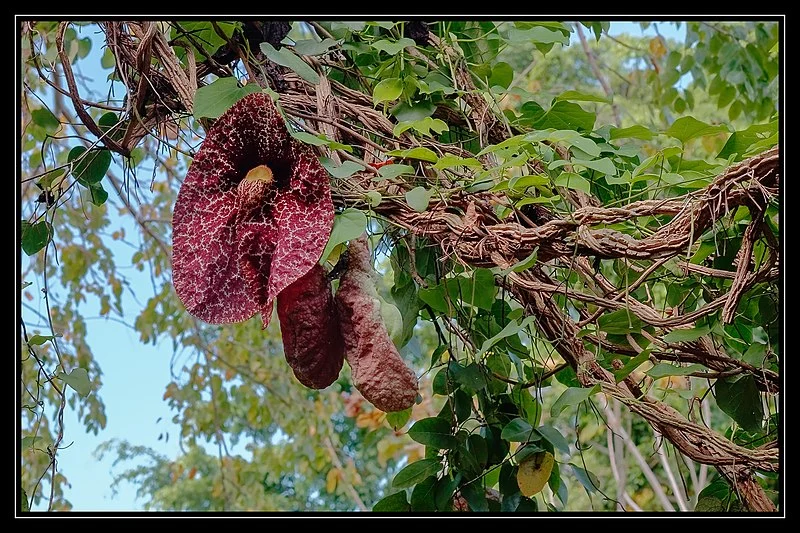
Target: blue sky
{"type": "Point", "coordinates": [135, 375]}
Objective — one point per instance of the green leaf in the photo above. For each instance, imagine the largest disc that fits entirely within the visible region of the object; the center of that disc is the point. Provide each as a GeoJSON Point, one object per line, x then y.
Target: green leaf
{"type": "Point", "coordinates": [308, 138]}
{"type": "Point", "coordinates": [740, 141]}
{"type": "Point", "coordinates": [475, 496]}
{"type": "Point", "coordinates": [433, 431]}
{"type": "Point", "coordinates": [416, 472]}
{"type": "Point", "coordinates": [347, 225]}
{"type": "Point", "coordinates": [662, 370]}
{"type": "Point", "coordinates": [422, 126]}
{"type": "Point", "coordinates": [35, 236]}
{"type": "Point", "coordinates": [311, 47]}
{"type": "Point", "coordinates": [421, 153]}
{"type": "Point", "coordinates": [604, 165]}
{"type": "Point", "coordinates": [345, 170]}
{"type": "Point", "coordinates": [46, 181]}
{"type": "Point", "coordinates": [512, 143]}
{"type": "Point", "coordinates": [571, 180]}
{"type": "Point", "coordinates": [686, 128]}
{"type": "Point", "coordinates": [554, 437]}
{"type": "Point", "coordinates": [373, 198]}
{"type": "Point", "coordinates": [418, 198]}
{"type": "Point", "coordinates": [204, 34]}
{"type": "Point", "coordinates": [422, 497]}
{"type": "Point", "coordinates": [523, 265]}
{"type": "Point", "coordinates": [90, 166]}
{"type": "Point", "coordinates": [462, 405]}
{"type": "Point", "coordinates": [398, 419]}
{"type": "Point", "coordinates": [107, 121]}
{"type": "Point", "coordinates": [577, 96]}
{"type": "Point", "coordinates": [634, 132]}
{"type": "Point", "coordinates": [686, 335]}
{"type": "Point", "coordinates": [586, 478]}
{"type": "Point", "coordinates": [392, 47]}
{"type": "Point", "coordinates": [537, 34]}
{"type": "Point", "coordinates": [470, 376]}
{"type": "Point", "coordinates": [286, 58]}
{"type": "Point", "coordinates": [620, 322]}
{"type": "Point", "coordinates": [214, 99]}
{"type": "Point", "coordinates": [477, 290]}
{"type": "Point", "coordinates": [521, 183]}
{"type": "Point", "coordinates": [78, 379]}
{"type": "Point", "coordinates": [450, 161]}
{"type": "Point", "coordinates": [392, 319]}
{"type": "Point", "coordinates": [502, 75]}
{"type": "Point", "coordinates": [567, 376]}
{"type": "Point", "coordinates": [38, 340]}
{"type": "Point", "coordinates": [709, 504]}
{"type": "Point", "coordinates": [464, 461]}
{"type": "Point", "coordinates": [394, 503]}
{"type": "Point", "coordinates": [97, 194]}
{"type": "Point", "coordinates": [570, 138]}
{"type": "Point", "coordinates": [566, 116]}
{"type": "Point", "coordinates": [718, 488]}
{"type": "Point", "coordinates": [519, 430]}
{"type": "Point", "coordinates": [512, 328]}
{"type": "Point", "coordinates": [405, 112]}
{"type": "Point", "coordinates": [45, 119]}
{"type": "Point", "coordinates": [632, 365]}
{"type": "Point", "coordinates": [435, 297]}
{"type": "Point", "coordinates": [108, 61]}
{"type": "Point", "coordinates": [444, 492]}
{"type": "Point", "coordinates": [387, 90]}
{"type": "Point", "coordinates": [439, 385]}
{"type": "Point", "coordinates": [739, 398]}
{"type": "Point", "coordinates": [726, 96]}
{"type": "Point", "coordinates": [735, 110]}
{"type": "Point", "coordinates": [755, 354]}
{"type": "Point", "coordinates": [571, 396]}
{"type": "Point", "coordinates": [388, 172]}
{"type": "Point", "coordinates": [24, 501]}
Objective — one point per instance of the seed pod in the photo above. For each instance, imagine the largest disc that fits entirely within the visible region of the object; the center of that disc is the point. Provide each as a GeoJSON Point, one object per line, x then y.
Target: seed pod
{"type": "Point", "coordinates": [312, 342]}
{"type": "Point", "coordinates": [377, 368]}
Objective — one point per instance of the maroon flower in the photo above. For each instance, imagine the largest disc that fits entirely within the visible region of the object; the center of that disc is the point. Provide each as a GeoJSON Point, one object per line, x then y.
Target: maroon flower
{"type": "Point", "coordinates": [252, 216]}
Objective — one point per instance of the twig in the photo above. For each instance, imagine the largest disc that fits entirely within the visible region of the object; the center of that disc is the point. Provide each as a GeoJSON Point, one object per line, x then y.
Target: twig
{"type": "Point", "coordinates": [655, 484]}
{"type": "Point", "coordinates": [77, 104]}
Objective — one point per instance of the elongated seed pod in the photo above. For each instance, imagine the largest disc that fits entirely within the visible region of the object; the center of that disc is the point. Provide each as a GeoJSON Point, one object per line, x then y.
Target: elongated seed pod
{"type": "Point", "coordinates": [379, 372]}
{"type": "Point", "coordinates": [312, 342]}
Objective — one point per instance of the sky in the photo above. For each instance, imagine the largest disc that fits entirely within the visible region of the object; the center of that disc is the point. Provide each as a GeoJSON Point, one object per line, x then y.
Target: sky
{"type": "Point", "coordinates": [135, 375]}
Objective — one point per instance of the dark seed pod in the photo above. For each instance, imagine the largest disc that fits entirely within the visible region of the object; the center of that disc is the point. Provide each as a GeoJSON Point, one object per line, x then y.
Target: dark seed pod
{"type": "Point", "coordinates": [379, 372]}
{"type": "Point", "coordinates": [312, 342]}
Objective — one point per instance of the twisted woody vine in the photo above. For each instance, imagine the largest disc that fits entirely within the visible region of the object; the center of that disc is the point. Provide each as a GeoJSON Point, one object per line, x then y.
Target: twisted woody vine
{"type": "Point", "coordinates": [516, 281]}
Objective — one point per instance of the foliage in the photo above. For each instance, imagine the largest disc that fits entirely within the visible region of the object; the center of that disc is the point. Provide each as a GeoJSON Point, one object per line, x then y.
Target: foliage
{"type": "Point", "coordinates": [504, 121]}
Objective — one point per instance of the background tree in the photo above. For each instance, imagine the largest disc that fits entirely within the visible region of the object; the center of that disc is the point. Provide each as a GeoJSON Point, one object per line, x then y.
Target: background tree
{"type": "Point", "coordinates": [581, 237]}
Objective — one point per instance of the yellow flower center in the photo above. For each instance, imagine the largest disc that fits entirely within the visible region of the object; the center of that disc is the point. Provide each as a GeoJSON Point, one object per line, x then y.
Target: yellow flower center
{"type": "Point", "coordinates": [259, 173]}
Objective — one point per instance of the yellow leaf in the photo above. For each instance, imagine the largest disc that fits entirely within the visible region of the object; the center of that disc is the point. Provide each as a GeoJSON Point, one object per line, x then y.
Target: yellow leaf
{"type": "Point", "coordinates": [388, 449]}
{"type": "Point", "coordinates": [331, 479]}
{"type": "Point", "coordinates": [534, 472]}
{"type": "Point", "coordinates": [657, 47]}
